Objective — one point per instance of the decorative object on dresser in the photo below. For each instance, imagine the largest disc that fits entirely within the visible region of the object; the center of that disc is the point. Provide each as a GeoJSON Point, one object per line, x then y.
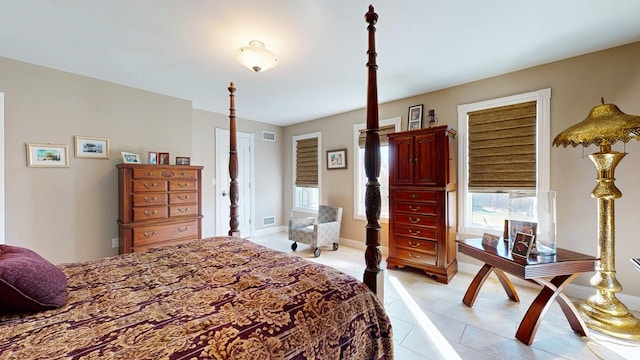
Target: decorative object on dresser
{"type": "Point", "coordinates": [158, 205]}
{"type": "Point", "coordinates": [183, 160]}
{"type": "Point", "coordinates": [153, 157]}
{"type": "Point", "coordinates": [163, 158]}
{"type": "Point", "coordinates": [415, 117]}
{"type": "Point", "coordinates": [130, 158]}
{"type": "Point", "coordinates": [422, 198]}
{"type": "Point", "coordinates": [91, 147]}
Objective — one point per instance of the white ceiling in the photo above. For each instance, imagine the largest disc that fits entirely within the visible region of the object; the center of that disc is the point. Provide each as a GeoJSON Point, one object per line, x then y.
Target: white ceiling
{"type": "Point", "coordinates": [185, 48]}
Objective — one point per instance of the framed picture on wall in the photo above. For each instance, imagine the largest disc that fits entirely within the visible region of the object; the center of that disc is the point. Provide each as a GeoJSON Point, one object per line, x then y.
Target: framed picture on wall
{"type": "Point", "coordinates": [91, 147]}
{"type": "Point", "coordinates": [337, 159]}
{"type": "Point", "coordinates": [47, 155]}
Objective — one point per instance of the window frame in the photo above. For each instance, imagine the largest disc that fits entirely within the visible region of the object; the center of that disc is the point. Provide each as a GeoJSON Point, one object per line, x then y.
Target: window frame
{"type": "Point", "coordinates": [543, 150]}
{"type": "Point", "coordinates": [359, 208]}
{"type": "Point", "coordinates": [294, 141]}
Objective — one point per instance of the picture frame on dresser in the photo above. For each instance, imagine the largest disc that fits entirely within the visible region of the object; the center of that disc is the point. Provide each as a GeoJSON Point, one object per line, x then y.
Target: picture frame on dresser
{"type": "Point", "coordinates": [91, 147]}
{"type": "Point", "coordinates": [183, 160]}
{"type": "Point", "coordinates": [415, 117]}
{"type": "Point", "coordinates": [47, 155]}
{"type": "Point", "coordinates": [130, 158]}
{"type": "Point", "coordinates": [152, 158]}
{"type": "Point", "coordinates": [163, 158]}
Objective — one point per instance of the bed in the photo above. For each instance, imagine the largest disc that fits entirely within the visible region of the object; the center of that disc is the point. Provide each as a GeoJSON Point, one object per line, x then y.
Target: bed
{"type": "Point", "coordinates": [215, 298]}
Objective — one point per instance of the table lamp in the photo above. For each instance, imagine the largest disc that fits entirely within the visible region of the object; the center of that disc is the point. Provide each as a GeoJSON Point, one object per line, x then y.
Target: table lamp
{"type": "Point", "coordinates": [604, 126]}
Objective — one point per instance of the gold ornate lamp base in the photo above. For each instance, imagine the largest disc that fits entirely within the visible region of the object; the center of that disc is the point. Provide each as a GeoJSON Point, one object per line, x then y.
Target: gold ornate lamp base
{"type": "Point", "coordinates": [603, 312]}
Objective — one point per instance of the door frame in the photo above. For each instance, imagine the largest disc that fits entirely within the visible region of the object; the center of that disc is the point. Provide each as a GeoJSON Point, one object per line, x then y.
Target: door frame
{"type": "Point", "coordinates": [222, 176]}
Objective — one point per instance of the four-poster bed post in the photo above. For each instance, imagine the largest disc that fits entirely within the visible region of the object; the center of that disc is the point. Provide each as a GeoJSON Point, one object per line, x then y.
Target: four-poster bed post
{"type": "Point", "coordinates": [373, 276]}
{"type": "Point", "coordinates": [233, 166]}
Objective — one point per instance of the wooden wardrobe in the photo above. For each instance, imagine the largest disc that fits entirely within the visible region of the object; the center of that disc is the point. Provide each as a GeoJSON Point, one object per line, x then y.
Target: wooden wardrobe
{"type": "Point", "coordinates": [422, 201]}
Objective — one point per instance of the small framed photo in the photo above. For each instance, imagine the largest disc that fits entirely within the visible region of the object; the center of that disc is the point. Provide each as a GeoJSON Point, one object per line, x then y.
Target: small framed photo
{"type": "Point", "coordinates": [415, 117]}
{"type": "Point", "coordinates": [130, 158]}
{"type": "Point", "coordinates": [522, 245]}
{"type": "Point", "coordinates": [163, 158]}
{"type": "Point", "coordinates": [152, 157]}
{"type": "Point", "coordinates": [47, 155]}
{"type": "Point", "coordinates": [337, 159]}
{"type": "Point", "coordinates": [490, 240]}
{"type": "Point", "coordinates": [91, 147]}
{"type": "Point", "coordinates": [183, 160]}
{"type": "Point", "coordinates": [526, 227]}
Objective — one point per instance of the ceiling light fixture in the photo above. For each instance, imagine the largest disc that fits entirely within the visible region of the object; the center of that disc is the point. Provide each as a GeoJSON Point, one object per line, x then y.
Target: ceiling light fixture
{"type": "Point", "coordinates": [256, 57]}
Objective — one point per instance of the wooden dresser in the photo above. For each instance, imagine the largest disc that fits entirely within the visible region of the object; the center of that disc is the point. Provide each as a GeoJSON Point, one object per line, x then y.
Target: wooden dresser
{"type": "Point", "coordinates": [422, 201]}
{"type": "Point", "coordinates": [158, 205]}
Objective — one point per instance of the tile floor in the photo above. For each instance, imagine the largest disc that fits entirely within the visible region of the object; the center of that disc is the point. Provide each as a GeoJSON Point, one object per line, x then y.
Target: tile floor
{"type": "Point", "coordinates": [431, 322]}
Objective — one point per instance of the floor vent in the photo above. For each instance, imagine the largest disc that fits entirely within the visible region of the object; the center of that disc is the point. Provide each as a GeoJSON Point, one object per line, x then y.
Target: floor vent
{"type": "Point", "coordinates": [269, 220]}
{"type": "Point", "coordinates": [268, 136]}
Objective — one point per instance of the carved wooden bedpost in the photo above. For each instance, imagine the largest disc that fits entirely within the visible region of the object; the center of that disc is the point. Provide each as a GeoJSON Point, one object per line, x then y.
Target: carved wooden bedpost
{"type": "Point", "coordinates": [373, 276]}
{"type": "Point", "coordinates": [233, 166]}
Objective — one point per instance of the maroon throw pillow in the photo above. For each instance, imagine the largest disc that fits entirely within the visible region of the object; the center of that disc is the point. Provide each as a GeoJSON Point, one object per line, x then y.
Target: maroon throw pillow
{"type": "Point", "coordinates": [28, 282]}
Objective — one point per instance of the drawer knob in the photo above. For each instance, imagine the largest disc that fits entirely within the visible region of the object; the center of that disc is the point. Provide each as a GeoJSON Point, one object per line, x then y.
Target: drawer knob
{"type": "Point", "coordinates": [149, 173]}
{"type": "Point", "coordinates": [414, 208]}
{"type": "Point", "coordinates": [185, 197]}
{"type": "Point", "coordinates": [414, 232]}
{"type": "Point", "coordinates": [414, 245]}
{"type": "Point", "coordinates": [183, 210]}
{"type": "Point", "coordinates": [183, 185]}
{"type": "Point", "coordinates": [413, 196]}
{"type": "Point", "coordinates": [414, 256]}
{"type": "Point", "coordinates": [146, 199]}
{"type": "Point", "coordinates": [146, 234]}
{"type": "Point", "coordinates": [414, 221]}
{"type": "Point", "coordinates": [150, 186]}
{"type": "Point", "coordinates": [183, 229]}
{"type": "Point", "coordinates": [146, 212]}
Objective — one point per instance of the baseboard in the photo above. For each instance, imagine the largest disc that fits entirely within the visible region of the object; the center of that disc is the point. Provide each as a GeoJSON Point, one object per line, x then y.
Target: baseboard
{"type": "Point", "coordinates": [270, 230]}
{"type": "Point", "coordinates": [362, 246]}
{"type": "Point", "coordinates": [576, 291]}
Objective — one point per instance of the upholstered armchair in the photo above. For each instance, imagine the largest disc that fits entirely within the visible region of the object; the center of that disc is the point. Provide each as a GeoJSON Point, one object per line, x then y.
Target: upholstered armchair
{"type": "Point", "coordinates": [325, 229]}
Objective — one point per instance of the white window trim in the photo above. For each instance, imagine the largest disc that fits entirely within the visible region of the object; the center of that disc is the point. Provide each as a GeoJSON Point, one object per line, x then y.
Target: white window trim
{"type": "Point", "coordinates": [396, 122]}
{"type": "Point", "coordinates": [293, 187]}
{"type": "Point", "coordinates": [543, 148]}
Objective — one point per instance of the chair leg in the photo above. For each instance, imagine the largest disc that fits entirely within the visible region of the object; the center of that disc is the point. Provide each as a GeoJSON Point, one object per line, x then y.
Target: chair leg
{"type": "Point", "coordinates": [294, 246]}
{"type": "Point", "coordinates": [335, 246]}
{"type": "Point", "coordinates": [316, 252]}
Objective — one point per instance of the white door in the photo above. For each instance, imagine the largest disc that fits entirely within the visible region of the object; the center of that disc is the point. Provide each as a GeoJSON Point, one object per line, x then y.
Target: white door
{"type": "Point", "coordinates": [245, 180]}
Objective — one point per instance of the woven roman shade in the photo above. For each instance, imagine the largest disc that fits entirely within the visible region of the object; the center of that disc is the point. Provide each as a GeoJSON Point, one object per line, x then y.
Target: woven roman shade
{"type": "Point", "coordinates": [502, 148]}
{"type": "Point", "coordinates": [384, 131]}
{"type": "Point", "coordinates": [307, 162]}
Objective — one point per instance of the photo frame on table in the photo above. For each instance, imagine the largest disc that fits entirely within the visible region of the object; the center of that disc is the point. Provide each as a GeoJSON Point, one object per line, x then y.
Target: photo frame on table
{"type": "Point", "coordinates": [152, 157]}
{"type": "Point", "coordinates": [47, 155]}
{"type": "Point", "coordinates": [163, 158]}
{"type": "Point", "coordinates": [526, 227]}
{"type": "Point", "coordinates": [490, 240]}
{"type": "Point", "coordinates": [522, 245]}
{"type": "Point", "coordinates": [415, 117]}
{"type": "Point", "coordinates": [337, 159]}
{"type": "Point", "coordinates": [130, 158]}
{"type": "Point", "coordinates": [183, 160]}
{"type": "Point", "coordinates": [91, 147]}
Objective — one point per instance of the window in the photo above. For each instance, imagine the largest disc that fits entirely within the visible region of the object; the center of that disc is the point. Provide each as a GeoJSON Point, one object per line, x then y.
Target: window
{"type": "Point", "coordinates": [360, 177]}
{"type": "Point", "coordinates": [484, 185]}
{"type": "Point", "coordinates": [306, 165]}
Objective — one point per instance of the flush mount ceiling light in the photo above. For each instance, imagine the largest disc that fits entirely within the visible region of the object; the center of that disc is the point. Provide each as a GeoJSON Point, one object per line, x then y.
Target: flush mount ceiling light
{"type": "Point", "coordinates": [256, 57]}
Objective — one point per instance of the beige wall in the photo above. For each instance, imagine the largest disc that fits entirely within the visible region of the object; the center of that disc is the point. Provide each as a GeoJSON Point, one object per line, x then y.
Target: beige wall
{"type": "Point", "coordinates": [69, 214]}
{"type": "Point", "coordinates": [577, 85]}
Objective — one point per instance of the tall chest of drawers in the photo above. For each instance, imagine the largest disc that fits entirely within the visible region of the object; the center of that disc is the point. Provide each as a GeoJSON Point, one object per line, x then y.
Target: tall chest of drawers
{"type": "Point", "coordinates": [422, 201]}
{"type": "Point", "coordinates": [158, 205]}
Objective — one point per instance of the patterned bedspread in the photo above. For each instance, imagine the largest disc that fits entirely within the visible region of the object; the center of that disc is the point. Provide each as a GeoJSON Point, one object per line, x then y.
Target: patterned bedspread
{"type": "Point", "coordinates": [217, 298]}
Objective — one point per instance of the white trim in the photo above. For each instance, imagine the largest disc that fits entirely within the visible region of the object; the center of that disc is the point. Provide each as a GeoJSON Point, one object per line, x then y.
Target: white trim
{"type": "Point", "coordinates": [295, 139]}
{"type": "Point", "coordinates": [270, 230]}
{"type": "Point", "coordinates": [543, 143]}
{"type": "Point", "coordinates": [396, 121]}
